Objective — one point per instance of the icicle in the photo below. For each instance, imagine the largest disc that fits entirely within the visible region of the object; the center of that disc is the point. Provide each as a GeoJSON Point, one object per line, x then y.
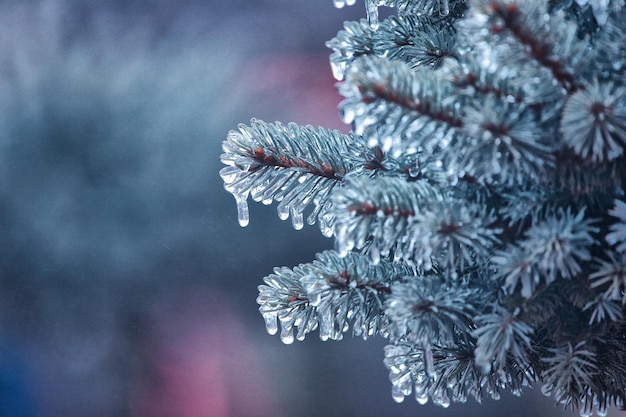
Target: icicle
{"type": "Point", "coordinates": [602, 412]}
{"type": "Point", "coordinates": [286, 336]}
{"type": "Point", "coordinates": [297, 219]}
{"type": "Point", "coordinates": [270, 322]}
{"type": "Point", "coordinates": [428, 360]}
{"type": "Point", "coordinates": [396, 393]}
{"type": "Point", "coordinates": [440, 398]}
{"type": "Point", "coordinates": [421, 397]}
{"type": "Point", "coordinates": [283, 210]}
{"type": "Point", "coordinates": [372, 14]}
{"type": "Point", "coordinates": [338, 68]}
{"type": "Point", "coordinates": [242, 209]}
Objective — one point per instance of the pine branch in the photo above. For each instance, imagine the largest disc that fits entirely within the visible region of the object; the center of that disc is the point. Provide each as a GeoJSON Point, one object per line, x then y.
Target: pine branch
{"type": "Point", "coordinates": [618, 229]}
{"type": "Point", "coordinates": [506, 144]}
{"type": "Point", "coordinates": [433, 8]}
{"type": "Point", "coordinates": [296, 166]}
{"type": "Point", "coordinates": [520, 30]}
{"type": "Point", "coordinates": [500, 335]}
{"type": "Point", "coordinates": [610, 277]}
{"type": "Point", "coordinates": [410, 111]}
{"type": "Point", "coordinates": [389, 217]}
{"type": "Point", "coordinates": [455, 378]}
{"type": "Point", "coordinates": [558, 245]}
{"type": "Point", "coordinates": [569, 374]}
{"type": "Point", "coordinates": [357, 39]}
{"type": "Point", "coordinates": [474, 210]}
{"type": "Point", "coordinates": [594, 121]}
{"type": "Point", "coordinates": [331, 293]}
{"type": "Point", "coordinates": [428, 312]}
{"type": "Point", "coordinates": [420, 41]}
{"type": "Point", "coordinates": [375, 215]}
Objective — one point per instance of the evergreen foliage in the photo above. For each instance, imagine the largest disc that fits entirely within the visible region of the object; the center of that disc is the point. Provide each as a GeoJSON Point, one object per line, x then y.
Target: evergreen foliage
{"type": "Point", "coordinates": [477, 205]}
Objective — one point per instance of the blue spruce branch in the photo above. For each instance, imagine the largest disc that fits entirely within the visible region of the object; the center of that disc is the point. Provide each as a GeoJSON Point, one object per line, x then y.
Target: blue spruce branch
{"type": "Point", "coordinates": [477, 206]}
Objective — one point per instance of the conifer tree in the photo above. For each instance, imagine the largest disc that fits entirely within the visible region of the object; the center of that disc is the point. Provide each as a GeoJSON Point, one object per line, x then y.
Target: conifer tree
{"type": "Point", "coordinates": [477, 205]}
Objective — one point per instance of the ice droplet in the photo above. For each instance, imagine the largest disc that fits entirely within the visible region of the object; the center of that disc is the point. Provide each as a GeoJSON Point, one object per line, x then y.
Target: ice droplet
{"type": "Point", "coordinates": [602, 412]}
{"type": "Point", "coordinates": [396, 393]}
{"type": "Point", "coordinates": [283, 211]}
{"type": "Point", "coordinates": [338, 69]}
{"type": "Point", "coordinates": [339, 3]}
{"type": "Point", "coordinates": [414, 170]}
{"type": "Point", "coordinates": [347, 114]}
{"type": "Point", "coordinates": [242, 209]}
{"type": "Point", "coordinates": [271, 323]}
{"type": "Point", "coordinates": [440, 398]}
{"type": "Point", "coordinates": [297, 220]}
{"type": "Point", "coordinates": [286, 336]}
{"type": "Point", "coordinates": [421, 397]}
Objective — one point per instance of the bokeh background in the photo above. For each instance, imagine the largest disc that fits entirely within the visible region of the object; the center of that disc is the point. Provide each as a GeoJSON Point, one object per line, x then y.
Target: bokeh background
{"type": "Point", "coordinates": [127, 287]}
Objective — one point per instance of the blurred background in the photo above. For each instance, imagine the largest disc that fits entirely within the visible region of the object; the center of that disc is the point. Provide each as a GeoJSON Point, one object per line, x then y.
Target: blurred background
{"type": "Point", "coordinates": [127, 287]}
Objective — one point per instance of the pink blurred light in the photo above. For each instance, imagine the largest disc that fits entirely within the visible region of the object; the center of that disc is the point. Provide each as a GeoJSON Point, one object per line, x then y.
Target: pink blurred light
{"type": "Point", "coordinates": [199, 363]}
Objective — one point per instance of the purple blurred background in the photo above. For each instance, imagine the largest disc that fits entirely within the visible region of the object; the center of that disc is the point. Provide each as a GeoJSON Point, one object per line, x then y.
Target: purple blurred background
{"type": "Point", "coordinates": [127, 287]}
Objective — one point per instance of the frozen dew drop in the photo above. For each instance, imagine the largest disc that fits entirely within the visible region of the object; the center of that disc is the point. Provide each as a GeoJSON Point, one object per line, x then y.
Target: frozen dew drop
{"type": "Point", "coordinates": [347, 113]}
{"type": "Point", "coordinates": [297, 220]}
{"type": "Point", "coordinates": [396, 393]}
{"type": "Point", "coordinates": [283, 211]}
{"type": "Point", "coordinates": [338, 68]}
{"type": "Point", "coordinates": [286, 336]}
{"type": "Point", "coordinates": [546, 390]}
{"type": "Point", "coordinates": [440, 398]}
{"type": "Point", "coordinates": [242, 209]}
{"type": "Point", "coordinates": [421, 397]}
{"type": "Point", "coordinates": [414, 170]}
{"type": "Point", "coordinates": [339, 3]}
{"type": "Point", "coordinates": [585, 412]}
{"type": "Point", "coordinates": [602, 412]}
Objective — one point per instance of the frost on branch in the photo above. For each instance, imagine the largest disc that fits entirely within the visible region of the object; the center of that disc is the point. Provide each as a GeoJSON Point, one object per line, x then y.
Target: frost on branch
{"type": "Point", "coordinates": [331, 293]}
{"type": "Point", "coordinates": [295, 166]}
{"type": "Point", "coordinates": [594, 121]}
{"type": "Point", "coordinates": [477, 206]}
